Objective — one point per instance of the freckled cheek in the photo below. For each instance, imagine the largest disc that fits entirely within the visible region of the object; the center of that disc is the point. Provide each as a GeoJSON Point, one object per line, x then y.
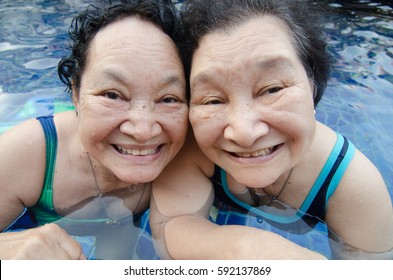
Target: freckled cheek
{"type": "Point", "coordinates": [203, 117]}
{"type": "Point", "coordinates": [196, 117]}
{"type": "Point", "coordinates": [178, 122]}
{"type": "Point", "coordinates": [207, 125]}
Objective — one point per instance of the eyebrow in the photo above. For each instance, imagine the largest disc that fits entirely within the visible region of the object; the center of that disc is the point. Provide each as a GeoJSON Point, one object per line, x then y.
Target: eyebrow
{"type": "Point", "coordinates": [201, 78]}
{"type": "Point", "coordinates": [276, 62]}
{"type": "Point", "coordinates": [173, 80]}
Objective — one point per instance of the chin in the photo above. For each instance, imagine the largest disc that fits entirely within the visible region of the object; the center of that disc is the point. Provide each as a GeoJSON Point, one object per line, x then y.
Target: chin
{"type": "Point", "coordinates": [254, 179]}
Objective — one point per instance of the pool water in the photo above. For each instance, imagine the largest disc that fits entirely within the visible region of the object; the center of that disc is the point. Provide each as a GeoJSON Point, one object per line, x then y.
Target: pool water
{"type": "Point", "coordinates": [359, 99]}
{"type": "Point", "coordinates": [33, 38]}
{"type": "Point", "coordinates": [358, 102]}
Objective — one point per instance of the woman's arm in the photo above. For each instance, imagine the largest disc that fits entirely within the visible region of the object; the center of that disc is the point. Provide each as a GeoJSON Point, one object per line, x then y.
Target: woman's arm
{"type": "Point", "coordinates": [194, 237]}
{"type": "Point", "coordinates": [22, 169]}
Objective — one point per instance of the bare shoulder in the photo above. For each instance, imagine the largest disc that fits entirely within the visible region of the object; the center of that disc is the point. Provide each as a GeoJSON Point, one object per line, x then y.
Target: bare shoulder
{"type": "Point", "coordinates": [22, 166]}
{"type": "Point", "coordinates": [23, 158]}
{"type": "Point", "coordinates": [184, 186]}
{"type": "Point", "coordinates": [360, 210]}
{"type": "Point", "coordinates": [362, 184]}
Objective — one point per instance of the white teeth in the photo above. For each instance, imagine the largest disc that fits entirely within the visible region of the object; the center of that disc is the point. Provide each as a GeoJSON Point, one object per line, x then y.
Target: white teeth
{"type": "Point", "coordinates": [263, 152]}
{"type": "Point", "coordinates": [136, 152]}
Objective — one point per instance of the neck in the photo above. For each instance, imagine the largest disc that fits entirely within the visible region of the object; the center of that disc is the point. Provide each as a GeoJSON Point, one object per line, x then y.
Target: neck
{"type": "Point", "coordinates": [106, 180]}
{"type": "Point", "coordinates": [275, 189]}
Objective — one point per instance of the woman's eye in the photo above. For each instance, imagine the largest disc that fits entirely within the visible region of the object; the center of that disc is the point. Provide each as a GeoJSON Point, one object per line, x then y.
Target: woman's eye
{"type": "Point", "coordinates": [170, 99]}
{"type": "Point", "coordinates": [273, 90]}
{"type": "Point", "coordinates": [212, 102]}
{"type": "Point", "coordinates": [111, 95]}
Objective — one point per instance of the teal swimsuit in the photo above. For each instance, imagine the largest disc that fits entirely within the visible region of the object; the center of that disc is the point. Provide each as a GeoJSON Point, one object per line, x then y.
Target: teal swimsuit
{"type": "Point", "coordinates": [313, 208]}
{"type": "Point", "coordinates": [100, 238]}
{"type": "Point", "coordinates": [44, 211]}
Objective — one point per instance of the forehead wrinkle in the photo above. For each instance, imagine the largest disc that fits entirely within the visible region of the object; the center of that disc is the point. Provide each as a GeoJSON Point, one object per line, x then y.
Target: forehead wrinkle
{"type": "Point", "coordinates": [229, 48]}
{"type": "Point", "coordinates": [243, 37]}
{"type": "Point", "coordinates": [119, 38]}
{"type": "Point", "coordinates": [138, 51]}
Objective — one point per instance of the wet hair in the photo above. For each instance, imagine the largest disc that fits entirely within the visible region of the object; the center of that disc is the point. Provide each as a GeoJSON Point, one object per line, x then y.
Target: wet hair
{"type": "Point", "coordinates": [85, 26]}
{"type": "Point", "coordinates": [303, 20]}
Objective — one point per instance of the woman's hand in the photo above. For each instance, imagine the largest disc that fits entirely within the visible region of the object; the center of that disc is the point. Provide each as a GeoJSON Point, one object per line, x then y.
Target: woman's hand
{"type": "Point", "coordinates": [48, 242]}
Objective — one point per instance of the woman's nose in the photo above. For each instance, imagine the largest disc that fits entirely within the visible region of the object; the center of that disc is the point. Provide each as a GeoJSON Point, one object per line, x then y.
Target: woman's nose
{"type": "Point", "coordinates": [141, 123]}
{"type": "Point", "coordinates": [245, 125]}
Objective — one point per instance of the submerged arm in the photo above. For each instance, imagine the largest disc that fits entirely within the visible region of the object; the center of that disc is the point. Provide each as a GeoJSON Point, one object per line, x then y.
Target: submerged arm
{"type": "Point", "coordinates": [210, 241]}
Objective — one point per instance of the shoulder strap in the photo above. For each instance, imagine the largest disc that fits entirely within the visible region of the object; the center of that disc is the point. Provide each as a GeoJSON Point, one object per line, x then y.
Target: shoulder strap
{"type": "Point", "coordinates": [330, 176]}
{"type": "Point", "coordinates": [46, 199]}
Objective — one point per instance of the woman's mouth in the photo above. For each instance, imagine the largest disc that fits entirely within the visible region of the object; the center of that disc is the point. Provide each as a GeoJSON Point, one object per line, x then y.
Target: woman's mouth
{"type": "Point", "coordinates": [258, 153]}
{"type": "Point", "coordinates": [137, 152]}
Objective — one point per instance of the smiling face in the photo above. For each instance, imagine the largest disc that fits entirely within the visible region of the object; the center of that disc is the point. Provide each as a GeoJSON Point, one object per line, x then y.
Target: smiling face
{"type": "Point", "coordinates": [132, 109]}
{"type": "Point", "coordinates": [251, 101]}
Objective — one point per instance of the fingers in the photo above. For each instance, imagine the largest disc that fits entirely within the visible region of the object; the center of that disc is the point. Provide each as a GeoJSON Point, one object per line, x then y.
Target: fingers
{"type": "Point", "coordinates": [45, 242]}
{"type": "Point", "coordinates": [63, 243]}
{"type": "Point", "coordinates": [64, 246]}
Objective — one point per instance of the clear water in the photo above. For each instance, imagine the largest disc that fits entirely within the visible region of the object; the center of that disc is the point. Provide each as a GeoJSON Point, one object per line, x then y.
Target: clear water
{"type": "Point", "coordinates": [33, 38]}
{"type": "Point", "coordinates": [358, 102]}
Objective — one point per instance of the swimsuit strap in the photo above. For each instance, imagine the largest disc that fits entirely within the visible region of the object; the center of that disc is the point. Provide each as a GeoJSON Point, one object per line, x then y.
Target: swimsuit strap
{"type": "Point", "coordinates": [46, 199]}
{"type": "Point", "coordinates": [51, 153]}
{"type": "Point", "coordinates": [44, 210]}
{"type": "Point", "coordinates": [330, 176]}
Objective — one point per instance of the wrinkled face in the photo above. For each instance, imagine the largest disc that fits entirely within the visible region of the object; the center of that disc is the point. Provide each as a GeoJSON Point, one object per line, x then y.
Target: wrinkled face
{"type": "Point", "coordinates": [251, 101]}
{"type": "Point", "coordinates": [132, 106]}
